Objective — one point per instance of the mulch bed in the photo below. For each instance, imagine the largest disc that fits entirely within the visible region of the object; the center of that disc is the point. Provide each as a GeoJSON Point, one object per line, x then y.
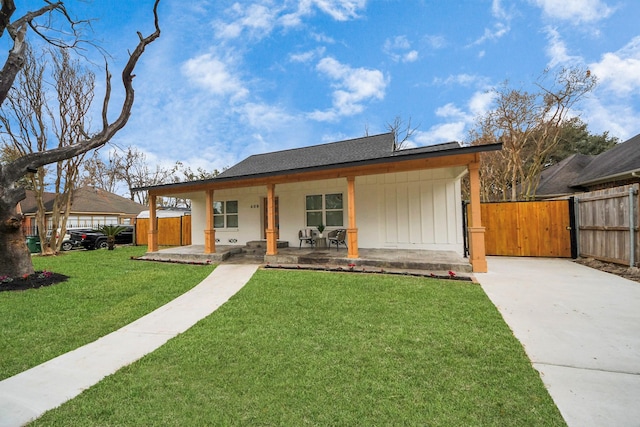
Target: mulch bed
{"type": "Point", "coordinates": [33, 281]}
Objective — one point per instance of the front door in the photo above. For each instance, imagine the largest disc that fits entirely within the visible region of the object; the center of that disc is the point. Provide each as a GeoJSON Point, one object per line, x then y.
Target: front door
{"type": "Point", "coordinates": [265, 219]}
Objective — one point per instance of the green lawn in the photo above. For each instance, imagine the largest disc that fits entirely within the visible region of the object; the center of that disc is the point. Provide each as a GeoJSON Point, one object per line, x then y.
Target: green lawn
{"type": "Point", "coordinates": [106, 290]}
{"type": "Point", "coordinates": [299, 348]}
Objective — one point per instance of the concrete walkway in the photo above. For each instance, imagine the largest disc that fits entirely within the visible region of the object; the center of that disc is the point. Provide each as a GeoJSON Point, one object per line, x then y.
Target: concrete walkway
{"type": "Point", "coordinates": [581, 329]}
{"type": "Point", "coordinates": [30, 394]}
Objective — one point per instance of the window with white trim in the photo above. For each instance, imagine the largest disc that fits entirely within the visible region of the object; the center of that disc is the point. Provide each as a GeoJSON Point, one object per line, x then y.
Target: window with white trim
{"type": "Point", "coordinates": [327, 209]}
{"type": "Point", "coordinates": [225, 214]}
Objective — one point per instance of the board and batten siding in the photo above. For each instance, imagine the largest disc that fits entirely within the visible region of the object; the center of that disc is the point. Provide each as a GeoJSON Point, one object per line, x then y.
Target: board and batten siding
{"type": "Point", "coordinates": [405, 210]}
{"type": "Point", "coordinates": [413, 210]}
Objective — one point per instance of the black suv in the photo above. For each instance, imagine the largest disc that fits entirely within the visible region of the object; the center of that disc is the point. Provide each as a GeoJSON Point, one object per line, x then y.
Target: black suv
{"type": "Point", "coordinates": [94, 239]}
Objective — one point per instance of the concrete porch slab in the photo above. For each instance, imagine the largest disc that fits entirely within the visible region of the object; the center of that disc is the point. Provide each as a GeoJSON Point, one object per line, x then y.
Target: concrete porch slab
{"type": "Point", "coordinates": [398, 259]}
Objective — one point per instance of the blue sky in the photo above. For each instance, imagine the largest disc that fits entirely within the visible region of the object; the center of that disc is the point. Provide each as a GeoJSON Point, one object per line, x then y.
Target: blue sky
{"type": "Point", "coordinates": [228, 79]}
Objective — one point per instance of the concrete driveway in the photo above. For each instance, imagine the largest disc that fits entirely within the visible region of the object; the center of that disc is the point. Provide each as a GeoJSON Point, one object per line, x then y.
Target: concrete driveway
{"type": "Point", "coordinates": [581, 329]}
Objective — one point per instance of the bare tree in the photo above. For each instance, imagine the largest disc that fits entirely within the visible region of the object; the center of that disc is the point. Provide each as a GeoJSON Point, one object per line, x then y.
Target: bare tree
{"type": "Point", "coordinates": [74, 87]}
{"type": "Point", "coordinates": [402, 131]}
{"type": "Point", "coordinates": [129, 167]}
{"type": "Point", "coordinates": [100, 173]}
{"type": "Point", "coordinates": [14, 256]}
{"type": "Point", "coordinates": [31, 110]}
{"type": "Point", "coordinates": [529, 125]}
{"type": "Point", "coordinates": [134, 171]}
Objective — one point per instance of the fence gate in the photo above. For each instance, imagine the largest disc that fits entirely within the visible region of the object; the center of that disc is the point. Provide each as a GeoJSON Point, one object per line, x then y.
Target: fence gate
{"type": "Point", "coordinates": [171, 231]}
{"type": "Point", "coordinates": [536, 229]}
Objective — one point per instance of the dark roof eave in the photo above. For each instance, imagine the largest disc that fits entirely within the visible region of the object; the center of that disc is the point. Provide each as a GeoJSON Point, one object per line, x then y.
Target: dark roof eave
{"type": "Point", "coordinates": [398, 156]}
{"type": "Point", "coordinates": [623, 175]}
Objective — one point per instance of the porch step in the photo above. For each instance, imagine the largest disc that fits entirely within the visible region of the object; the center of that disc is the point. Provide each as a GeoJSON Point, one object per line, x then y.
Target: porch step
{"type": "Point", "coordinates": [381, 259]}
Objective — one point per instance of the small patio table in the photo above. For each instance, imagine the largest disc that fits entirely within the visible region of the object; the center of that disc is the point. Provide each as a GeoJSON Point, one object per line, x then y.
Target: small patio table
{"type": "Point", "coordinates": [321, 242]}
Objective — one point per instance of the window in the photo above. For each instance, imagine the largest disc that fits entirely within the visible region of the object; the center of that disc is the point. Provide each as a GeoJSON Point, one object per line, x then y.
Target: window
{"type": "Point", "coordinates": [225, 214]}
{"type": "Point", "coordinates": [324, 209]}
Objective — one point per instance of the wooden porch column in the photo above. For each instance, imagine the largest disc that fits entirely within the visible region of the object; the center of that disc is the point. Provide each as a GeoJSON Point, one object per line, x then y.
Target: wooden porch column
{"type": "Point", "coordinates": [152, 235]}
{"type": "Point", "coordinates": [209, 230]}
{"type": "Point", "coordinates": [352, 231]}
{"type": "Point", "coordinates": [272, 239]}
{"type": "Point", "coordinates": [476, 230]}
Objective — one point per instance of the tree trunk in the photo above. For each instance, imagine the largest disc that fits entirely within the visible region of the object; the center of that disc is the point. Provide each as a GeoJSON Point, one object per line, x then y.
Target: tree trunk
{"type": "Point", "coordinates": [15, 260]}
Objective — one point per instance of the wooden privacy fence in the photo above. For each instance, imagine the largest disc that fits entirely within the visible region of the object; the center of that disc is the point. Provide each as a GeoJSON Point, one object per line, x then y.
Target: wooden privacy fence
{"type": "Point", "coordinates": [537, 229]}
{"type": "Point", "coordinates": [171, 231]}
{"type": "Point", "coordinates": [607, 222]}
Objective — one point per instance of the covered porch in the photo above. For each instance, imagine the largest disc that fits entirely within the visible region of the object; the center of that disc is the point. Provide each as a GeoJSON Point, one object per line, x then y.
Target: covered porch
{"type": "Point", "coordinates": [408, 261]}
{"type": "Point", "coordinates": [404, 203]}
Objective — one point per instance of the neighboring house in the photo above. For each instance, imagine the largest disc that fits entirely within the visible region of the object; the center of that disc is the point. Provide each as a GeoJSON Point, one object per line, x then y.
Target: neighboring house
{"type": "Point", "coordinates": [579, 173]}
{"type": "Point", "coordinates": [404, 199]}
{"type": "Point", "coordinates": [90, 207]}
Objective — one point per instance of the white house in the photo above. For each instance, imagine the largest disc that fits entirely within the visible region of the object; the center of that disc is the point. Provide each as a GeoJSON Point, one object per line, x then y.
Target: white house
{"type": "Point", "coordinates": [384, 198]}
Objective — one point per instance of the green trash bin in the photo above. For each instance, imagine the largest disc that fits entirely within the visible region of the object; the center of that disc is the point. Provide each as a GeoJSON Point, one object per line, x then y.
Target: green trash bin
{"type": "Point", "coordinates": [33, 243]}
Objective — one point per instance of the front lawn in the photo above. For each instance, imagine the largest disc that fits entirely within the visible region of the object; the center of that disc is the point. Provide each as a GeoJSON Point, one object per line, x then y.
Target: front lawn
{"type": "Point", "coordinates": [105, 291]}
{"type": "Point", "coordinates": [299, 348]}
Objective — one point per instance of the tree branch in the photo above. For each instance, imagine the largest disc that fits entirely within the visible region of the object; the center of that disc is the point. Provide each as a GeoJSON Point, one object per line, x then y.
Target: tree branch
{"type": "Point", "coordinates": [18, 168]}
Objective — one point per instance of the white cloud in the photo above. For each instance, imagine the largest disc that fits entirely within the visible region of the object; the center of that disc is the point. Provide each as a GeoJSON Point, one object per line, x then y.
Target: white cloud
{"type": "Point", "coordinates": [610, 107]}
{"type": "Point", "coordinates": [307, 56]}
{"type": "Point", "coordinates": [480, 103]}
{"type": "Point", "coordinates": [322, 38]}
{"type": "Point", "coordinates": [461, 79]}
{"type": "Point", "coordinates": [214, 75]}
{"type": "Point", "coordinates": [255, 19]}
{"type": "Point", "coordinates": [265, 117]}
{"type": "Point", "coordinates": [443, 132]}
{"type": "Point", "coordinates": [352, 87]}
{"type": "Point", "coordinates": [576, 11]}
{"type": "Point", "coordinates": [399, 49]}
{"type": "Point", "coordinates": [340, 10]}
{"type": "Point", "coordinates": [457, 121]}
{"type": "Point", "coordinates": [607, 115]}
{"type": "Point", "coordinates": [619, 72]}
{"type": "Point", "coordinates": [259, 19]}
{"type": "Point", "coordinates": [410, 56]}
{"type": "Point", "coordinates": [450, 111]}
{"type": "Point", "coordinates": [491, 34]}
{"type": "Point", "coordinates": [557, 50]}
{"type": "Point", "coordinates": [498, 11]}
{"type": "Point", "coordinates": [435, 42]}
{"type": "Point", "coordinates": [500, 28]}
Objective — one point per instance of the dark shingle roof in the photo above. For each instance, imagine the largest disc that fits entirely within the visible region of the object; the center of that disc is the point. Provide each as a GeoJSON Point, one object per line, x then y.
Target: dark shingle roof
{"type": "Point", "coordinates": [579, 171]}
{"type": "Point", "coordinates": [332, 154]}
{"type": "Point", "coordinates": [368, 150]}
{"type": "Point", "coordinates": [556, 179]}
{"type": "Point", "coordinates": [88, 200]}
{"type": "Point", "coordinates": [623, 158]}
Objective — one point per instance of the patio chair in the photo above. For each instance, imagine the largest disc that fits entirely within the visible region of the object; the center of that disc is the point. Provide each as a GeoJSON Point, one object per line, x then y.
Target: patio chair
{"type": "Point", "coordinates": [307, 235]}
{"type": "Point", "coordinates": [337, 237]}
